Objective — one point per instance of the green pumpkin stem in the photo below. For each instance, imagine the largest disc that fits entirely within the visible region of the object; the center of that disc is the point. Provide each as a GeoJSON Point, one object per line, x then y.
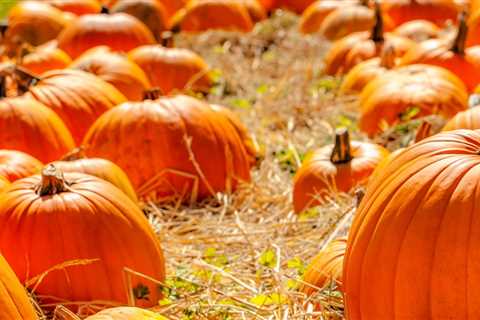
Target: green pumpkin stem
{"type": "Point", "coordinates": [458, 46]}
{"type": "Point", "coordinates": [341, 152]}
{"type": "Point", "coordinates": [377, 31]}
{"type": "Point", "coordinates": [152, 94]}
{"type": "Point", "coordinates": [52, 182]}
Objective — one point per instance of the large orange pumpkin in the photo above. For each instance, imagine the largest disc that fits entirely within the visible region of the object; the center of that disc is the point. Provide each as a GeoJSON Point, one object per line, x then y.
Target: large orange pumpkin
{"type": "Point", "coordinates": [126, 313]}
{"type": "Point", "coordinates": [29, 126]}
{"type": "Point", "coordinates": [119, 31]}
{"type": "Point", "coordinates": [410, 92]}
{"type": "Point", "coordinates": [411, 248]}
{"type": "Point", "coordinates": [14, 301]}
{"type": "Point", "coordinates": [418, 30]}
{"type": "Point", "coordinates": [78, 97]}
{"type": "Point", "coordinates": [436, 11]}
{"type": "Point", "coordinates": [468, 119]}
{"type": "Point", "coordinates": [202, 15]}
{"type": "Point", "coordinates": [337, 167]}
{"type": "Point", "coordinates": [208, 149]}
{"type": "Point", "coordinates": [116, 69]}
{"type": "Point", "coordinates": [172, 69]}
{"type": "Point", "coordinates": [78, 7]}
{"type": "Point", "coordinates": [15, 165]}
{"type": "Point", "coordinates": [50, 219]}
{"type": "Point", "coordinates": [325, 268]}
{"type": "Point", "coordinates": [45, 58]}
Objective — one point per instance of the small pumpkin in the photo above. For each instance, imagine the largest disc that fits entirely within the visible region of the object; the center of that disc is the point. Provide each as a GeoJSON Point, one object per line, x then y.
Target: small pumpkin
{"type": "Point", "coordinates": [45, 58]}
{"type": "Point", "coordinates": [116, 69]}
{"type": "Point", "coordinates": [99, 225]}
{"type": "Point", "coordinates": [77, 7]}
{"type": "Point", "coordinates": [436, 11]}
{"type": "Point", "coordinates": [15, 165]}
{"type": "Point", "coordinates": [468, 119]}
{"type": "Point", "coordinates": [418, 30]}
{"type": "Point", "coordinates": [410, 92]}
{"type": "Point", "coordinates": [189, 129]}
{"type": "Point", "coordinates": [337, 167]}
{"type": "Point", "coordinates": [172, 69]}
{"type": "Point", "coordinates": [325, 268]}
{"type": "Point", "coordinates": [119, 31]}
{"type": "Point", "coordinates": [126, 313]}
{"type": "Point", "coordinates": [417, 220]}
{"type": "Point", "coordinates": [14, 301]}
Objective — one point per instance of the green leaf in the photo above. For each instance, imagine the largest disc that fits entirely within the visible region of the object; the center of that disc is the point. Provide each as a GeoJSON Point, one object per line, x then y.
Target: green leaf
{"type": "Point", "coordinates": [268, 258]}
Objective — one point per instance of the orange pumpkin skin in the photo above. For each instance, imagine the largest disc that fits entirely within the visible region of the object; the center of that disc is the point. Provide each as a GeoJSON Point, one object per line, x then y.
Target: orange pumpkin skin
{"type": "Point", "coordinates": [418, 30]}
{"type": "Point", "coordinates": [297, 6]}
{"type": "Point", "coordinates": [172, 69]}
{"type": "Point", "coordinates": [473, 37]}
{"type": "Point", "coordinates": [45, 58]}
{"type": "Point", "coordinates": [417, 220]}
{"type": "Point", "coordinates": [119, 31]}
{"type": "Point", "coordinates": [78, 97]}
{"type": "Point", "coordinates": [97, 222]}
{"type": "Point", "coordinates": [347, 20]}
{"type": "Point", "coordinates": [203, 15]}
{"type": "Point", "coordinates": [16, 165]}
{"type": "Point", "coordinates": [436, 11]}
{"type": "Point", "coordinates": [34, 129]}
{"type": "Point", "coordinates": [255, 10]}
{"type": "Point", "coordinates": [151, 12]}
{"type": "Point", "coordinates": [312, 18]}
{"type": "Point", "coordinates": [77, 7]}
{"type": "Point", "coordinates": [432, 90]}
{"type": "Point", "coordinates": [116, 69]}
{"type": "Point", "coordinates": [319, 176]}
{"type": "Point", "coordinates": [14, 301]}
{"type": "Point", "coordinates": [4, 183]}
{"type": "Point", "coordinates": [126, 313]}
{"type": "Point", "coordinates": [217, 143]}
{"type": "Point", "coordinates": [468, 119]}
{"type": "Point", "coordinates": [102, 169]}
{"type": "Point", "coordinates": [325, 267]}
{"type": "Point", "coordinates": [172, 6]}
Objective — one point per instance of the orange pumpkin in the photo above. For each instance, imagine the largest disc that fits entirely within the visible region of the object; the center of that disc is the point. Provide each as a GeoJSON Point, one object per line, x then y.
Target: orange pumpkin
{"type": "Point", "coordinates": [98, 224]}
{"type": "Point", "coordinates": [473, 37]}
{"type": "Point", "coordinates": [389, 98]}
{"type": "Point", "coordinates": [45, 58]}
{"type": "Point", "coordinates": [172, 69]}
{"type": "Point", "coordinates": [203, 15]}
{"type": "Point", "coordinates": [126, 313]}
{"type": "Point", "coordinates": [14, 301]}
{"type": "Point", "coordinates": [436, 11]}
{"type": "Point", "coordinates": [78, 7]}
{"type": "Point", "coordinates": [116, 69]}
{"type": "Point", "coordinates": [119, 31]}
{"type": "Point", "coordinates": [312, 18]}
{"type": "Point", "coordinates": [468, 119]}
{"type": "Point", "coordinates": [325, 267]}
{"type": "Point", "coordinates": [297, 6]}
{"type": "Point", "coordinates": [33, 128]}
{"type": "Point", "coordinates": [189, 129]}
{"type": "Point", "coordinates": [76, 161]}
{"type": "Point", "coordinates": [418, 30]}
{"type": "Point", "coordinates": [360, 46]}
{"type": "Point", "coordinates": [337, 167]}
{"type": "Point", "coordinates": [453, 57]}
{"type": "Point", "coordinates": [15, 165]}
{"type": "Point", "coordinates": [417, 221]}
{"type": "Point", "coordinates": [78, 97]}
{"type": "Point", "coordinates": [364, 72]}
{"type": "Point", "coordinates": [172, 6]}
{"type": "Point", "coordinates": [151, 12]}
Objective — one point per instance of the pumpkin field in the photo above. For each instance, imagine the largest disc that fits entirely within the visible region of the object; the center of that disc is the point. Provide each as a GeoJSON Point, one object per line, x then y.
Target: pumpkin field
{"type": "Point", "coordinates": [239, 159]}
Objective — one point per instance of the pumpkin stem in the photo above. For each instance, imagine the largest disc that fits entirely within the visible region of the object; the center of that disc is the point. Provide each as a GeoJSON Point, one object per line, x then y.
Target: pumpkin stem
{"type": "Point", "coordinates": [75, 154]}
{"type": "Point", "coordinates": [62, 313]}
{"type": "Point", "coordinates": [3, 86]}
{"type": "Point", "coordinates": [341, 150]}
{"type": "Point", "coordinates": [458, 46]}
{"type": "Point", "coordinates": [104, 10]}
{"type": "Point", "coordinates": [387, 58]}
{"type": "Point", "coordinates": [377, 31]}
{"type": "Point", "coordinates": [152, 94]}
{"type": "Point", "coordinates": [423, 131]}
{"type": "Point", "coordinates": [52, 181]}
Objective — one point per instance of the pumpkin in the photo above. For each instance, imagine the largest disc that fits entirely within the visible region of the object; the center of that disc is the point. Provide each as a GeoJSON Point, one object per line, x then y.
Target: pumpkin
{"type": "Point", "coordinates": [337, 167]}
{"type": "Point", "coordinates": [76, 161]}
{"type": "Point", "coordinates": [473, 37]}
{"type": "Point", "coordinates": [172, 6]}
{"type": "Point", "coordinates": [76, 96]}
{"type": "Point", "coordinates": [99, 225]}
{"type": "Point", "coordinates": [436, 11]}
{"type": "Point", "coordinates": [14, 301]}
{"type": "Point", "coordinates": [34, 23]}
{"type": "Point", "coordinates": [453, 56]}
{"type": "Point", "coordinates": [77, 7]}
{"type": "Point", "coordinates": [297, 6]}
{"type": "Point", "coordinates": [410, 92]}
{"type": "Point", "coordinates": [45, 58]}
{"type": "Point", "coordinates": [364, 72]}
{"type": "Point", "coordinates": [468, 119]}
{"type": "Point", "coordinates": [15, 165]}
{"type": "Point", "coordinates": [203, 15]}
{"type": "Point", "coordinates": [417, 221]}
{"type": "Point", "coordinates": [151, 12]}
{"type": "Point", "coordinates": [312, 18]}
{"type": "Point", "coordinates": [126, 313]}
{"type": "Point", "coordinates": [119, 31]}
{"type": "Point", "coordinates": [116, 69]}
{"type": "Point", "coordinates": [325, 267]}
{"type": "Point", "coordinates": [255, 10]}
{"type": "Point", "coordinates": [4, 183]}
{"type": "Point", "coordinates": [349, 51]}
{"type": "Point", "coordinates": [172, 69]}
{"type": "Point", "coordinates": [33, 128]}
{"type": "Point", "coordinates": [418, 30]}
{"type": "Point", "coordinates": [209, 150]}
